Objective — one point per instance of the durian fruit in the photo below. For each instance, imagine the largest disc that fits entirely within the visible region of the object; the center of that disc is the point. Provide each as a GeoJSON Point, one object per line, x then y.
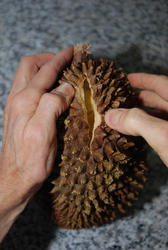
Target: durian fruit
{"type": "Point", "coordinates": [101, 170]}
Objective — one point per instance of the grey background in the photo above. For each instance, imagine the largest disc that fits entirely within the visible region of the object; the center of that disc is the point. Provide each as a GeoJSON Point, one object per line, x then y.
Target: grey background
{"type": "Point", "coordinates": [135, 35]}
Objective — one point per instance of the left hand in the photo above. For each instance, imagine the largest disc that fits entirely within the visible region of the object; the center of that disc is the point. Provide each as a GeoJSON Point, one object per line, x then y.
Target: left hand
{"type": "Point", "coordinates": [29, 140]}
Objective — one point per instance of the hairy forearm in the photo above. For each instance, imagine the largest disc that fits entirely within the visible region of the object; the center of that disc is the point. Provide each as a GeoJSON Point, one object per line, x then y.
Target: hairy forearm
{"type": "Point", "coordinates": [8, 215]}
{"type": "Point", "coordinates": [14, 196]}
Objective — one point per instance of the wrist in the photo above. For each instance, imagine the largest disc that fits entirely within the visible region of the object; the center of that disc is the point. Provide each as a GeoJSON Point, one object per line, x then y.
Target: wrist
{"type": "Point", "coordinates": [15, 193]}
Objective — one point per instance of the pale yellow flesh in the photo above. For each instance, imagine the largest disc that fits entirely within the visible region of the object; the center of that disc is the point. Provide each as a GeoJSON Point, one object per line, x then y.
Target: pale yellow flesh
{"type": "Point", "coordinates": [85, 94]}
{"type": "Point", "coordinates": [89, 107]}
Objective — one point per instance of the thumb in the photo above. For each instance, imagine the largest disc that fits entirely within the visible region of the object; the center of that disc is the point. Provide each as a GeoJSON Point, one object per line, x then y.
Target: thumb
{"type": "Point", "coordinates": [125, 120]}
{"type": "Point", "coordinates": [137, 122]}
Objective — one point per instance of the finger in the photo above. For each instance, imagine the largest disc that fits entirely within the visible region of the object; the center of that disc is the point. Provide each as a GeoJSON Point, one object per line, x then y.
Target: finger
{"type": "Point", "coordinates": [152, 100]}
{"type": "Point", "coordinates": [28, 99]}
{"type": "Point", "coordinates": [137, 122]}
{"type": "Point", "coordinates": [28, 67]}
{"type": "Point", "coordinates": [53, 104]}
{"type": "Point", "coordinates": [156, 83]}
{"type": "Point", "coordinates": [47, 75]}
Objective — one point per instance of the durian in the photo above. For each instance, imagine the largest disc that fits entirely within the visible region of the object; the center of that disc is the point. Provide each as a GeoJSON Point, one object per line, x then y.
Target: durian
{"type": "Point", "coordinates": [100, 170]}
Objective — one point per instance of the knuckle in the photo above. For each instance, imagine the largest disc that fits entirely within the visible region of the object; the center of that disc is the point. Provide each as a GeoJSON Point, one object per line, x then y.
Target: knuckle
{"type": "Point", "coordinates": [60, 63]}
{"type": "Point", "coordinates": [53, 99]}
{"type": "Point", "coordinates": [133, 114]}
{"type": "Point", "coordinates": [163, 77]}
{"type": "Point", "coordinates": [163, 137]}
{"type": "Point", "coordinates": [17, 102]}
{"type": "Point", "coordinates": [55, 102]}
{"type": "Point", "coordinates": [133, 120]}
{"type": "Point", "coordinates": [25, 60]}
{"type": "Point", "coordinates": [55, 67]}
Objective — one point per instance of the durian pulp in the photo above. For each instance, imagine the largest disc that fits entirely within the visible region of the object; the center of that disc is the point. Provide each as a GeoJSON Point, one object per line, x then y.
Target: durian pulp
{"type": "Point", "coordinates": [90, 108]}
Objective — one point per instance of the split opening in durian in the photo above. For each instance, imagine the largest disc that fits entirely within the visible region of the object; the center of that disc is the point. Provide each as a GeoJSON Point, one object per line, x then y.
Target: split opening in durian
{"type": "Point", "coordinates": [93, 117]}
{"type": "Point", "coordinates": [84, 94]}
{"type": "Point", "coordinates": [89, 107]}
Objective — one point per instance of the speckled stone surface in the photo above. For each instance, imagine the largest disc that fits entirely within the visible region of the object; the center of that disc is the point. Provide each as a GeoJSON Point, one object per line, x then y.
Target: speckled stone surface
{"type": "Point", "coordinates": [135, 35]}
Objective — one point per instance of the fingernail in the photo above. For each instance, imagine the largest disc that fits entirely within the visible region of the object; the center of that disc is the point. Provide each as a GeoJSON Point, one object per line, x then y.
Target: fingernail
{"type": "Point", "coordinates": [65, 89]}
{"type": "Point", "coordinates": [112, 117]}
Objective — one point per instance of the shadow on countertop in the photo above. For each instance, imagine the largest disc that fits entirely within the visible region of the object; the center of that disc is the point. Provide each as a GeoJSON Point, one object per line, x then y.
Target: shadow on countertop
{"type": "Point", "coordinates": [33, 230]}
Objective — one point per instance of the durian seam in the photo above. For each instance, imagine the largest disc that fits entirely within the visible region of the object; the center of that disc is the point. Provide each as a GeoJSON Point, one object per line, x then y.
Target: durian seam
{"type": "Point", "coordinates": [84, 93]}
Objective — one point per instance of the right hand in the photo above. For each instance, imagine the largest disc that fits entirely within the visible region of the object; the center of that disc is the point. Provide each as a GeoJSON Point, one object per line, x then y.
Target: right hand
{"type": "Point", "coordinates": [137, 122]}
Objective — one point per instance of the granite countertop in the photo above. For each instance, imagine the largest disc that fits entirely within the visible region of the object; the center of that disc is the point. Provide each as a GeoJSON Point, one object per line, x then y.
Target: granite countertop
{"type": "Point", "coordinates": [135, 35]}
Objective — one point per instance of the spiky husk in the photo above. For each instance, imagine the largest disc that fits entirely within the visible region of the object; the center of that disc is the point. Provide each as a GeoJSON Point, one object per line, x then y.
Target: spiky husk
{"type": "Point", "coordinates": [100, 170]}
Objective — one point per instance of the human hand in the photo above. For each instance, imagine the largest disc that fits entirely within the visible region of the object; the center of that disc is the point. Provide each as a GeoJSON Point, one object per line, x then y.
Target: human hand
{"type": "Point", "coordinates": [153, 127]}
{"type": "Point", "coordinates": [29, 139]}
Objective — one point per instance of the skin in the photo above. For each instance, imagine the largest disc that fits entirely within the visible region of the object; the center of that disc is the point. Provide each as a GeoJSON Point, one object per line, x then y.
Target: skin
{"type": "Point", "coordinates": [29, 139]}
{"type": "Point", "coordinates": [29, 142]}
